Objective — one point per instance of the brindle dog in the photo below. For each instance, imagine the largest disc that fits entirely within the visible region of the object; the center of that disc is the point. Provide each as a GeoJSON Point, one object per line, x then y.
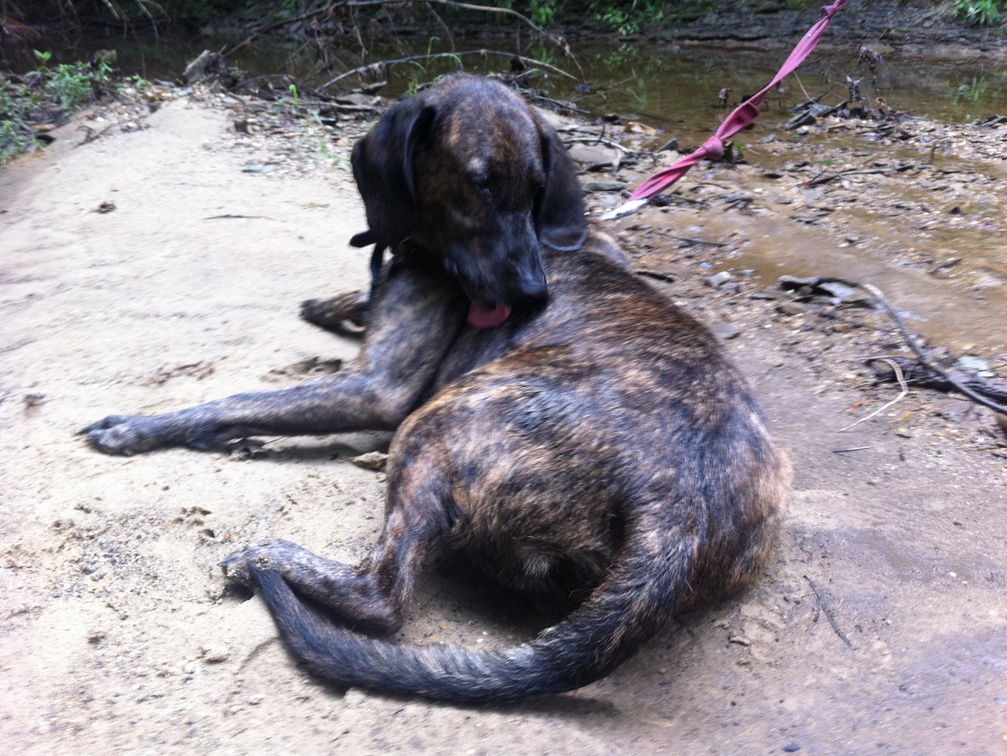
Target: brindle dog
{"type": "Point", "coordinates": [559, 422]}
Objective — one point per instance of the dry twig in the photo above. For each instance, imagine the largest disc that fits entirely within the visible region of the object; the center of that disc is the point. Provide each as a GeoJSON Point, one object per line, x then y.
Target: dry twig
{"type": "Point", "coordinates": [432, 56]}
{"type": "Point", "coordinates": [828, 613]}
{"type": "Point", "coordinates": [329, 7]}
{"type": "Point", "coordinates": [883, 407]}
{"type": "Point", "coordinates": [924, 359]}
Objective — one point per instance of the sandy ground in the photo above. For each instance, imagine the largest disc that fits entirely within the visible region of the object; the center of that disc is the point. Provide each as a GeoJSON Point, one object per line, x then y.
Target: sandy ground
{"type": "Point", "coordinates": [880, 628]}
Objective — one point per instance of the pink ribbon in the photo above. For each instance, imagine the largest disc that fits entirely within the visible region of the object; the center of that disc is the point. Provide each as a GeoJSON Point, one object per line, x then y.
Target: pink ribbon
{"type": "Point", "coordinates": [742, 116]}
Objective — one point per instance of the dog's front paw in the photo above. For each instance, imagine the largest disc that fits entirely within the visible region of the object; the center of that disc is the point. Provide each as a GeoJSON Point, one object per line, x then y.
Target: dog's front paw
{"type": "Point", "coordinates": [121, 434]}
{"type": "Point", "coordinates": [263, 555]}
{"type": "Point", "coordinates": [336, 312]}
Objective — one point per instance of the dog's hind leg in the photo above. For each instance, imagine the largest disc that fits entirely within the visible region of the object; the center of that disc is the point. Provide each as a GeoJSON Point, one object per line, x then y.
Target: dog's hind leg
{"type": "Point", "coordinates": [638, 596]}
{"type": "Point", "coordinates": [376, 594]}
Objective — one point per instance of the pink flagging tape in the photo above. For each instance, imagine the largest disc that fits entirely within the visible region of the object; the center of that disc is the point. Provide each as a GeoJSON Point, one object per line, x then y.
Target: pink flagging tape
{"type": "Point", "coordinates": [741, 117]}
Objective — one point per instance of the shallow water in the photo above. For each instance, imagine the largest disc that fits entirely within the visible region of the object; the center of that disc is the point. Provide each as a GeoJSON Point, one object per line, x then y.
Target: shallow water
{"type": "Point", "coordinates": [675, 87]}
{"type": "Point", "coordinates": [670, 85]}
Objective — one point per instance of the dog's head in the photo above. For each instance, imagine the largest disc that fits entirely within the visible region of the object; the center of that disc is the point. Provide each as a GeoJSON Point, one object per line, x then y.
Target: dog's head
{"type": "Point", "coordinates": [468, 171]}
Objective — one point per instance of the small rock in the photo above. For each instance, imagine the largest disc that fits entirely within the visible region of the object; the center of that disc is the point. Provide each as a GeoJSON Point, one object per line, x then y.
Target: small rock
{"type": "Point", "coordinates": [719, 279]}
{"type": "Point", "coordinates": [635, 127]}
{"type": "Point", "coordinates": [358, 98]}
{"type": "Point", "coordinates": [371, 461]}
{"type": "Point", "coordinates": [974, 364]}
{"type": "Point", "coordinates": [726, 331]}
{"type": "Point", "coordinates": [670, 146]}
{"type": "Point", "coordinates": [256, 168]}
{"type": "Point", "coordinates": [215, 654]}
{"type": "Point", "coordinates": [790, 308]}
{"type": "Point", "coordinates": [594, 158]}
{"type": "Point", "coordinates": [602, 186]}
{"type": "Point", "coordinates": [96, 635]}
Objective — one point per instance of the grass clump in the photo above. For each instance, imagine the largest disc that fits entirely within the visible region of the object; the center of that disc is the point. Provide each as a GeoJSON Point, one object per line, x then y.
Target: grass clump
{"type": "Point", "coordinates": [981, 12]}
{"type": "Point", "coordinates": [47, 95]}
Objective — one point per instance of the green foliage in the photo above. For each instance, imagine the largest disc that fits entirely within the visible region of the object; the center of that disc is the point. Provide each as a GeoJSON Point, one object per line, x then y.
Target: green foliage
{"type": "Point", "coordinates": [542, 12]}
{"type": "Point", "coordinates": [137, 82]}
{"type": "Point", "coordinates": [980, 12]}
{"type": "Point", "coordinates": [16, 103]}
{"type": "Point", "coordinates": [42, 58]}
{"type": "Point", "coordinates": [73, 84]}
{"type": "Point", "coordinates": [972, 91]}
{"type": "Point", "coordinates": [43, 95]}
{"type": "Point", "coordinates": [15, 137]}
{"type": "Point", "coordinates": [628, 18]}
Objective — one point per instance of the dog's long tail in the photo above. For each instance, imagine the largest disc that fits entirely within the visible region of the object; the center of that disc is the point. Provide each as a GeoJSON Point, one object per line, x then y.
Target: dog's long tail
{"type": "Point", "coordinates": [636, 598]}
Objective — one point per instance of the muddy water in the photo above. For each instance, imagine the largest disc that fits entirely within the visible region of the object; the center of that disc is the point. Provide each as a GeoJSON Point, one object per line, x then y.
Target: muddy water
{"type": "Point", "coordinates": [674, 85]}
{"type": "Point", "coordinates": [964, 308]}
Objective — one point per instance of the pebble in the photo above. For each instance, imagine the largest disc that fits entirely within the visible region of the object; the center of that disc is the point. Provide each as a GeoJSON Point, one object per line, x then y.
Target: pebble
{"type": "Point", "coordinates": [602, 186]}
{"type": "Point", "coordinates": [719, 279]}
{"type": "Point", "coordinates": [371, 460]}
{"type": "Point", "coordinates": [726, 331]}
{"type": "Point", "coordinates": [216, 654]}
{"type": "Point", "coordinates": [790, 308]}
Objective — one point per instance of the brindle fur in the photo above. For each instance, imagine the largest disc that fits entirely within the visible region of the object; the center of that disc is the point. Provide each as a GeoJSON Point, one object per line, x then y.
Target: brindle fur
{"type": "Point", "coordinates": [596, 444]}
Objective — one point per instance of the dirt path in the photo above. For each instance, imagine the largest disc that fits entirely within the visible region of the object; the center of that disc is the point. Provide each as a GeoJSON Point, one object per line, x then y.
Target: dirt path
{"type": "Point", "coordinates": [881, 627]}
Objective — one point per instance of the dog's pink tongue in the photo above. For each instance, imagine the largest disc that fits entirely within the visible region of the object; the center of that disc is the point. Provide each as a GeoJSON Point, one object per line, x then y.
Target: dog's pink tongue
{"type": "Point", "coordinates": [481, 316]}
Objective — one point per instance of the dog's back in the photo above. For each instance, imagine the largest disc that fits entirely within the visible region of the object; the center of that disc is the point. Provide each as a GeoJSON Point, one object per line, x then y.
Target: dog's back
{"type": "Point", "coordinates": [610, 400]}
{"type": "Point", "coordinates": [609, 453]}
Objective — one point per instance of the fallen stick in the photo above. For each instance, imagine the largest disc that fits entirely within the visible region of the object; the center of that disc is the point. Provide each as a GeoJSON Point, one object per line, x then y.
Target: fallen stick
{"type": "Point", "coordinates": [431, 56]}
{"type": "Point", "coordinates": [924, 359]}
{"type": "Point", "coordinates": [886, 405]}
{"type": "Point", "coordinates": [828, 613]}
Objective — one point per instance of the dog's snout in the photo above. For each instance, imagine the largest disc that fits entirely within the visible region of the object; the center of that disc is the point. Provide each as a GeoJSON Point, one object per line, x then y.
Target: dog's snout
{"type": "Point", "coordinates": [504, 268]}
{"type": "Point", "coordinates": [531, 284]}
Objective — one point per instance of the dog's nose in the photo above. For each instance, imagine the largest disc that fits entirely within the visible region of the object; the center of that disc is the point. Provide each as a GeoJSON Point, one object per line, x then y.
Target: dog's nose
{"type": "Point", "coordinates": [531, 283]}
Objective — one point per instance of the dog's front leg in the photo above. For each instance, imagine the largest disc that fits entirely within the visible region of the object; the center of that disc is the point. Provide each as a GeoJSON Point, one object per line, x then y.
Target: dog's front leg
{"type": "Point", "coordinates": [416, 316]}
{"type": "Point", "coordinates": [334, 313]}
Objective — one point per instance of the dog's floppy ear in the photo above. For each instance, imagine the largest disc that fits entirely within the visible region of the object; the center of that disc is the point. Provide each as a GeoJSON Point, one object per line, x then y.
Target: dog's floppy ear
{"type": "Point", "coordinates": [383, 168]}
{"type": "Point", "coordinates": [559, 208]}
